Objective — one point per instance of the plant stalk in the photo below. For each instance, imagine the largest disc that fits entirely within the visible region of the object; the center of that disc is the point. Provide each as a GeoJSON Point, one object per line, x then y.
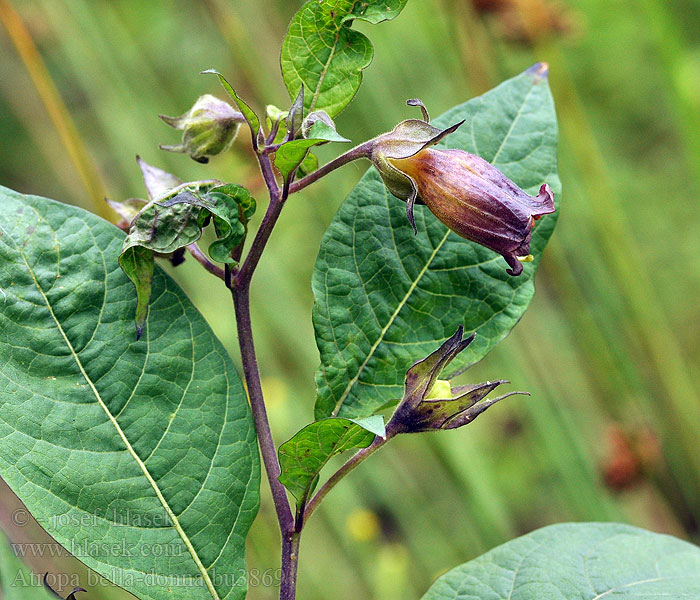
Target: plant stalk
{"type": "Point", "coordinates": [351, 463]}
{"type": "Point", "coordinates": [241, 302]}
{"type": "Point", "coordinates": [239, 284]}
{"type": "Point", "coordinates": [202, 259]}
{"type": "Point", "coordinates": [362, 151]}
{"type": "Point", "coordinates": [290, 565]}
{"type": "Point", "coordinates": [240, 290]}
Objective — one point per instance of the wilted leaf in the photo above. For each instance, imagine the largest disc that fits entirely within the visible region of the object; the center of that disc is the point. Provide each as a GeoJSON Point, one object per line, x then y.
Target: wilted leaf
{"type": "Point", "coordinates": [169, 223]}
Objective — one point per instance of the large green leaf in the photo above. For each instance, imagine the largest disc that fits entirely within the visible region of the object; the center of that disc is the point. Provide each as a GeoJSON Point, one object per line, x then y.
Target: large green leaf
{"type": "Point", "coordinates": [303, 456]}
{"type": "Point", "coordinates": [586, 561]}
{"type": "Point", "coordinates": [148, 445]}
{"type": "Point", "coordinates": [385, 297]}
{"type": "Point", "coordinates": [322, 52]}
{"type": "Point", "coordinates": [17, 582]}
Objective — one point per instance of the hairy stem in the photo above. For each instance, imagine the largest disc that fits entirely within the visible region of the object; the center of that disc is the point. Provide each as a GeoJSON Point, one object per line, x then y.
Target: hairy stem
{"type": "Point", "coordinates": [274, 209]}
{"type": "Point", "coordinates": [352, 462]}
{"type": "Point", "coordinates": [239, 284]}
{"type": "Point", "coordinates": [362, 151]}
{"type": "Point", "coordinates": [269, 176]}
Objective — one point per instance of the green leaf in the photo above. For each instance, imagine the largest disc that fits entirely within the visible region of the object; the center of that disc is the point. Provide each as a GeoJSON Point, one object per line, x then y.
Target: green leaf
{"type": "Point", "coordinates": [385, 297]}
{"type": "Point", "coordinates": [589, 561]}
{"type": "Point", "coordinates": [323, 53]}
{"type": "Point", "coordinates": [146, 445]}
{"type": "Point", "coordinates": [138, 264]}
{"type": "Point", "coordinates": [17, 582]}
{"type": "Point", "coordinates": [321, 130]}
{"type": "Point", "coordinates": [232, 208]}
{"type": "Point", "coordinates": [176, 220]}
{"type": "Point", "coordinates": [249, 114]}
{"type": "Point", "coordinates": [303, 456]}
{"type": "Point", "coordinates": [291, 155]}
{"type": "Point", "coordinates": [309, 164]}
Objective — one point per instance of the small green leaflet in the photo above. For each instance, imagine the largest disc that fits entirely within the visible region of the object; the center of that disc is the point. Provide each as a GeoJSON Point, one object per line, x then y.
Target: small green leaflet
{"type": "Point", "coordinates": [249, 114]}
{"type": "Point", "coordinates": [303, 456]}
{"type": "Point", "coordinates": [318, 128]}
{"type": "Point", "coordinates": [587, 561]}
{"type": "Point", "coordinates": [291, 155]}
{"type": "Point", "coordinates": [323, 53]}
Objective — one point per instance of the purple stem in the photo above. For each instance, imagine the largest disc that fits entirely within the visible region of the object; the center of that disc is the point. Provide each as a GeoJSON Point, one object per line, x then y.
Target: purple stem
{"type": "Point", "coordinates": [362, 151]}
{"type": "Point", "coordinates": [241, 302]}
{"type": "Point", "coordinates": [240, 290]}
{"type": "Point", "coordinates": [351, 463]}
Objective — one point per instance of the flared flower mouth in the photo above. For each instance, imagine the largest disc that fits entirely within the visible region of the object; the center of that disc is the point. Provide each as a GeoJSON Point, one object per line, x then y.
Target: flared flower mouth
{"type": "Point", "coordinates": [465, 192]}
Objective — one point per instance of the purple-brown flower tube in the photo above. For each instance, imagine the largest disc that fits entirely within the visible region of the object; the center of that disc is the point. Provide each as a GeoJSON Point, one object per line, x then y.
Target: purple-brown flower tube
{"type": "Point", "coordinates": [476, 201]}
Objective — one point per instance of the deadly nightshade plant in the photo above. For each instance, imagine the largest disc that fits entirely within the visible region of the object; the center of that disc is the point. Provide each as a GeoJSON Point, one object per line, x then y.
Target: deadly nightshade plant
{"type": "Point", "coordinates": [412, 260]}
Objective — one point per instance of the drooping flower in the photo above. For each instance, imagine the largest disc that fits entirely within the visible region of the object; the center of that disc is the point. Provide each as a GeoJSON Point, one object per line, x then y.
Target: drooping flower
{"type": "Point", "coordinates": [476, 201]}
{"type": "Point", "coordinates": [464, 191]}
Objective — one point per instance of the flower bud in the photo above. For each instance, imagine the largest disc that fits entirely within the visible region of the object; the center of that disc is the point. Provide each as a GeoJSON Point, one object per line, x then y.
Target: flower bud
{"type": "Point", "coordinates": [430, 403]}
{"type": "Point", "coordinates": [208, 128]}
{"type": "Point", "coordinates": [468, 194]}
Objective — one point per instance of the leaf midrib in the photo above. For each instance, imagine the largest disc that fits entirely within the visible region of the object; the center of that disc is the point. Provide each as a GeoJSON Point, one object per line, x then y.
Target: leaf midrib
{"type": "Point", "coordinates": [390, 322]}
{"type": "Point", "coordinates": [176, 523]}
{"type": "Point", "coordinates": [322, 76]}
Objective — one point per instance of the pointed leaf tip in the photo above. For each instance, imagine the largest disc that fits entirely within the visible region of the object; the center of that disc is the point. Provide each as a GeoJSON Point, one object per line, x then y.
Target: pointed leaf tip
{"type": "Point", "coordinates": [539, 71]}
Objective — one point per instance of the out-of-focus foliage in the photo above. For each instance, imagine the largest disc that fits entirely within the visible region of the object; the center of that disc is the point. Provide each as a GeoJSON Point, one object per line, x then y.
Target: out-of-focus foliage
{"type": "Point", "coordinates": [609, 348]}
{"type": "Point", "coordinates": [578, 559]}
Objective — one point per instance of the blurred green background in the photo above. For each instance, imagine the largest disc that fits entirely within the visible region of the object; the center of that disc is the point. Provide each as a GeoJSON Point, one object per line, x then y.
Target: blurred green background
{"type": "Point", "coordinates": [610, 347]}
